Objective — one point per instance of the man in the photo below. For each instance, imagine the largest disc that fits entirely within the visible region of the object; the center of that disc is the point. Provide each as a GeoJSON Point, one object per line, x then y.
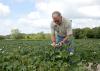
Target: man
{"type": "Point", "coordinates": [61, 31]}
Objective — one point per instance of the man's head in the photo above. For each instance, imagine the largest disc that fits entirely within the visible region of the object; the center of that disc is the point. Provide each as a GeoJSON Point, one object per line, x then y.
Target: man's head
{"type": "Point", "coordinates": [57, 18]}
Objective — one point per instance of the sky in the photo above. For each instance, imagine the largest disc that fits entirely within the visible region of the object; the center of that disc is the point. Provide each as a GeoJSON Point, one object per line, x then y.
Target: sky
{"type": "Point", "coordinates": [33, 16]}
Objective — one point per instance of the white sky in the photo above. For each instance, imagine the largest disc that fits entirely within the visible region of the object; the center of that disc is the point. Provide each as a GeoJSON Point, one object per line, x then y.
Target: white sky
{"type": "Point", "coordinates": [32, 16]}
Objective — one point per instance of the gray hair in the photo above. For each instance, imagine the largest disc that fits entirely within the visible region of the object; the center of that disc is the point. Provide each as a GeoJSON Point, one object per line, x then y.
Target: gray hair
{"type": "Point", "coordinates": [56, 13]}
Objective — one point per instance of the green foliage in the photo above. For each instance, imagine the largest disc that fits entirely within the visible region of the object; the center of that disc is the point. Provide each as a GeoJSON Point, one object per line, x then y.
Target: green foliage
{"type": "Point", "coordinates": [2, 37]}
{"type": "Point", "coordinates": [87, 33]}
{"type": "Point", "coordinates": [96, 32]}
{"type": "Point", "coordinates": [78, 34]}
{"type": "Point", "coordinates": [15, 34]}
{"type": "Point", "coordinates": [29, 55]}
{"type": "Point", "coordinates": [38, 36]}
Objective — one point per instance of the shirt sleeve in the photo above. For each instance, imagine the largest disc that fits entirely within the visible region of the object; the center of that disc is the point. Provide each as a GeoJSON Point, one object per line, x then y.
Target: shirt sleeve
{"type": "Point", "coordinates": [52, 29]}
{"type": "Point", "coordinates": [69, 28]}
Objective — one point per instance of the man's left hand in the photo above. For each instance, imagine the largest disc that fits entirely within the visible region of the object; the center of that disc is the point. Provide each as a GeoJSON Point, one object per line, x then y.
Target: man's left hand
{"type": "Point", "coordinates": [61, 43]}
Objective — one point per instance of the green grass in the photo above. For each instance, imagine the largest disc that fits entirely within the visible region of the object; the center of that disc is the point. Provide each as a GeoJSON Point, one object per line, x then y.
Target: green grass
{"type": "Point", "coordinates": [29, 55]}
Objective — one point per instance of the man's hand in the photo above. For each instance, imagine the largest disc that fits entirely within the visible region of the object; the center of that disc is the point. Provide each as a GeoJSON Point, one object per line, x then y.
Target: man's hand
{"type": "Point", "coordinates": [61, 43]}
{"type": "Point", "coordinates": [57, 45]}
{"type": "Point", "coordinates": [54, 44]}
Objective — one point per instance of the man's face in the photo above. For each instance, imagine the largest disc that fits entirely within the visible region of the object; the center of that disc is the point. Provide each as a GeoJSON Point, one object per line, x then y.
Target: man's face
{"type": "Point", "coordinates": [57, 19]}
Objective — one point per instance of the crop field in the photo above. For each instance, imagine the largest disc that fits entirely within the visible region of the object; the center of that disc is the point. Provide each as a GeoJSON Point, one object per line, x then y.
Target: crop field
{"type": "Point", "coordinates": [39, 55]}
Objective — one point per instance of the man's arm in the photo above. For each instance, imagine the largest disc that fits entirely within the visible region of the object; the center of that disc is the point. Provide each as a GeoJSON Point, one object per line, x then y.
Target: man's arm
{"type": "Point", "coordinates": [66, 38]}
{"type": "Point", "coordinates": [53, 37]}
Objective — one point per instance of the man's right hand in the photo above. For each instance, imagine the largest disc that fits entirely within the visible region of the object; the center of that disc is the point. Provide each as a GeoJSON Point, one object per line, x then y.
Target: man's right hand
{"type": "Point", "coordinates": [54, 44]}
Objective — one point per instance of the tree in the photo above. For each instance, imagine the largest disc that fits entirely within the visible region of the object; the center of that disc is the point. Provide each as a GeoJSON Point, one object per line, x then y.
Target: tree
{"type": "Point", "coordinates": [39, 36]}
{"type": "Point", "coordinates": [90, 33]}
{"type": "Point", "coordinates": [96, 31]}
{"type": "Point", "coordinates": [76, 33]}
{"type": "Point", "coordinates": [15, 34]}
{"type": "Point", "coordinates": [2, 37]}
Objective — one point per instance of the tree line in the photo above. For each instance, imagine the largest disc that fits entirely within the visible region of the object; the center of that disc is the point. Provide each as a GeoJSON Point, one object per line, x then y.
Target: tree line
{"type": "Point", "coordinates": [78, 34]}
{"type": "Point", "coordinates": [87, 33]}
